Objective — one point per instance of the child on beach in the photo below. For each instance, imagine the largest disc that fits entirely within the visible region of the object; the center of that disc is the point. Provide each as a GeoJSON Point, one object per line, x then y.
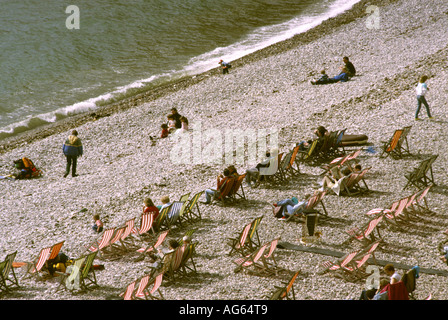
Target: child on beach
{"type": "Point", "coordinates": [98, 226]}
{"type": "Point", "coordinates": [323, 78]}
{"type": "Point", "coordinates": [165, 131]}
{"type": "Point", "coordinates": [421, 89]}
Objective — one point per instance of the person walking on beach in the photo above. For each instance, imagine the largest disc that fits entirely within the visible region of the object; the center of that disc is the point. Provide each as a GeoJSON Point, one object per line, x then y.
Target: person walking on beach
{"type": "Point", "coordinates": [225, 66]}
{"type": "Point", "coordinates": [72, 149]}
{"type": "Point", "coordinates": [421, 89]}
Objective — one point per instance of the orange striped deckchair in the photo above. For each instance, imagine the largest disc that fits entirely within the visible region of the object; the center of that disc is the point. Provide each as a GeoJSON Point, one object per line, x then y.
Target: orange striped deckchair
{"type": "Point", "coordinates": [250, 260]}
{"type": "Point", "coordinates": [290, 170]}
{"type": "Point", "coordinates": [55, 249]}
{"type": "Point", "coordinates": [282, 292]}
{"type": "Point", "coordinates": [366, 234]}
{"type": "Point", "coordinates": [238, 243]}
{"type": "Point", "coordinates": [237, 186]}
{"type": "Point", "coordinates": [154, 246]}
{"type": "Point", "coordinates": [146, 224]}
{"type": "Point", "coordinates": [103, 242]}
{"type": "Point", "coordinates": [224, 192]}
{"type": "Point", "coordinates": [391, 147]}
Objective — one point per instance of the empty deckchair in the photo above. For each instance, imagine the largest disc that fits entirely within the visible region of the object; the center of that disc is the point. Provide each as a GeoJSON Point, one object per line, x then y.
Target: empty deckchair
{"type": "Point", "coordinates": [355, 269]}
{"type": "Point", "coordinates": [269, 256]}
{"type": "Point", "coordinates": [390, 147]}
{"type": "Point", "coordinates": [192, 211]}
{"type": "Point", "coordinates": [281, 175]}
{"type": "Point", "coordinates": [153, 247]}
{"type": "Point", "coordinates": [8, 277]}
{"type": "Point", "coordinates": [239, 242]}
{"type": "Point", "coordinates": [340, 264]}
{"type": "Point", "coordinates": [402, 147]}
{"type": "Point", "coordinates": [126, 238]}
{"type": "Point", "coordinates": [185, 197]}
{"type": "Point", "coordinates": [36, 266]}
{"type": "Point", "coordinates": [251, 260]}
{"type": "Point", "coordinates": [100, 244]}
{"type": "Point", "coordinates": [129, 291]}
{"type": "Point", "coordinates": [422, 175]}
{"type": "Point", "coordinates": [114, 248]}
{"type": "Point", "coordinates": [144, 291]}
{"type": "Point", "coordinates": [290, 170]}
{"type": "Point", "coordinates": [420, 203]}
{"type": "Point", "coordinates": [366, 233]}
{"type": "Point", "coordinates": [281, 293]}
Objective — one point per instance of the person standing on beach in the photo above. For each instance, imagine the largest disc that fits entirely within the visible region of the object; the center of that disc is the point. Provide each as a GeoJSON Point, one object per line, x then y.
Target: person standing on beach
{"type": "Point", "coordinates": [72, 149]}
{"type": "Point", "coordinates": [225, 66]}
{"type": "Point", "coordinates": [421, 89]}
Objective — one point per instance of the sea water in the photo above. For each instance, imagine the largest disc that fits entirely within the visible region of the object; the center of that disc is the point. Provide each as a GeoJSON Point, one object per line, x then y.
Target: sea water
{"type": "Point", "coordinates": [59, 58]}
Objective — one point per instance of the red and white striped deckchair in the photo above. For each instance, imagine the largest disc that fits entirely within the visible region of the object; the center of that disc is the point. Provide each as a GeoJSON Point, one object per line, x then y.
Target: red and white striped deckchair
{"type": "Point", "coordinates": [396, 215]}
{"type": "Point", "coordinates": [367, 233]}
{"type": "Point", "coordinates": [270, 255]}
{"type": "Point", "coordinates": [36, 266]}
{"type": "Point", "coordinates": [126, 238]}
{"type": "Point", "coordinates": [239, 243]}
{"type": "Point", "coordinates": [340, 264]}
{"type": "Point", "coordinates": [103, 242]}
{"type": "Point", "coordinates": [354, 270]}
{"type": "Point", "coordinates": [250, 260]}
{"type": "Point", "coordinates": [315, 200]}
{"type": "Point", "coordinates": [146, 223]}
{"type": "Point", "coordinates": [115, 246]}
{"type": "Point", "coordinates": [420, 205]}
{"type": "Point", "coordinates": [128, 293]}
{"type": "Point", "coordinates": [175, 263]}
{"type": "Point", "coordinates": [154, 246]}
{"type": "Point", "coordinates": [367, 255]}
{"type": "Point", "coordinates": [340, 161]}
{"type": "Point", "coordinates": [143, 288]}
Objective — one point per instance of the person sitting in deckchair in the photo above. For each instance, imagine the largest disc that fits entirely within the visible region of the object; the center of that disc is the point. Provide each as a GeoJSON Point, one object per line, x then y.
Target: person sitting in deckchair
{"type": "Point", "coordinates": [253, 174]}
{"type": "Point", "coordinates": [211, 193]}
{"type": "Point", "coordinates": [292, 206]}
{"type": "Point", "coordinates": [337, 175]}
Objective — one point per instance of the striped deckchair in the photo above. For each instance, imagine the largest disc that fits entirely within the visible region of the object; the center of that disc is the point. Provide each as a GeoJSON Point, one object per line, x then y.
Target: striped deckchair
{"type": "Point", "coordinates": [143, 291]}
{"type": "Point", "coordinates": [159, 222]}
{"type": "Point", "coordinates": [250, 260]}
{"type": "Point", "coordinates": [33, 268]}
{"type": "Point", "coordinates": [290, 170]}
{"type": "Point", "coordinates": [126, 238]}
{"type": "Point", "coordinates": [281, 175]}
{"type": "Point", "coordinates": [188, 256]}
{"type": "Point", "coordinates": [6, 271]}
{"type": "Point", "coordinates": [176, 262]}
{"type": "Point", "coordinates": [270, 255]}
{"type": "Point", "coordinates": [238, 243]}
{"type": "Point", "coordinates": [146, 225]}
{"type": "Point", "coordinates": [191, 213]}
{"type": "Point", "coordinates": [355, 269]}
{"type": "Point", "coordinates": [88, 277]}
{"type": "Point", "coordinates": [115, 246]}
{"type": "Point", "coordinates": [103, 242]}
{"type": "Point", "coordinates": [340, 264]}
{"type": "Point", "coordinates": [128, 293]}
{"type": "Point", "coordinates": [391, 147]}
{"type": "Point", "coordinates": [396, 215]}
{"type": "Point", "coordinates": [154, 246]}
{"type": "Point", "coordinates": [173, 214]}
{"type": "Point", "coordinates": [366, 234]}
{"type": "Point", "coordinates": [315, 200]}
{"type": "Point", "coordinates": [283, 292]}
{"type": "Point", "coordinates": [420, 203]}
{"type": "Point", "coordinates": [237, 186]}
{"type": "Point", "coordinates": [55, 249]}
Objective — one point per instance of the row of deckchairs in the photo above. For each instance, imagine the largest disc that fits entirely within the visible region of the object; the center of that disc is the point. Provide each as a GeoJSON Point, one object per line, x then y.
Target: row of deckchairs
{"type": "Point", "coordinates": [351, 266]}
{"type": "Point", "coordinates": [144, 288]}
{"type": "Point", "coordinates": [401, 212]}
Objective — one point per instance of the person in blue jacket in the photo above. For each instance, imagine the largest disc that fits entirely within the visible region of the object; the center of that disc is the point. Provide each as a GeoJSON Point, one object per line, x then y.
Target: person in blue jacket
{"type": "Point", "coordinates": [72, 149]}
{"type": "Point", "coordinates": [341, 77]}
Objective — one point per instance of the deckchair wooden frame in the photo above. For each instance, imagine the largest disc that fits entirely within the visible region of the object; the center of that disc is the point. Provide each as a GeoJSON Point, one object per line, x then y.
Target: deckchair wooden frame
{"type": "Point", "coordinates": [190, 214]}
{"type": "Point", "coordinates": [281, 175]}
{"type": "Point", "coordinates": [283, 292]}
{"type": "Point", "coordinates": [290, 170]}
{"type": "Point", "coordinates": [6, 270]}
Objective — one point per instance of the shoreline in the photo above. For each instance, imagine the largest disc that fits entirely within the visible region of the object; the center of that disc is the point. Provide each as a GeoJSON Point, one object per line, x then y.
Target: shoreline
{"type": "Point", "coordinates": [41, 132]}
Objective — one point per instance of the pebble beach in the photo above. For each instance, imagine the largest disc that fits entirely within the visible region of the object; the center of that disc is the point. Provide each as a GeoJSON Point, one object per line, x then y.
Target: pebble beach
{"type": "Point", "coordinates": [267, 91]}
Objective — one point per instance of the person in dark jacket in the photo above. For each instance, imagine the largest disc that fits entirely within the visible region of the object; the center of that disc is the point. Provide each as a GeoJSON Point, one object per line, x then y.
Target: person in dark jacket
{"type": "Point", "coordinates": [351, 71]}
{"type": "Point", "coordinates": [72, 149]}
